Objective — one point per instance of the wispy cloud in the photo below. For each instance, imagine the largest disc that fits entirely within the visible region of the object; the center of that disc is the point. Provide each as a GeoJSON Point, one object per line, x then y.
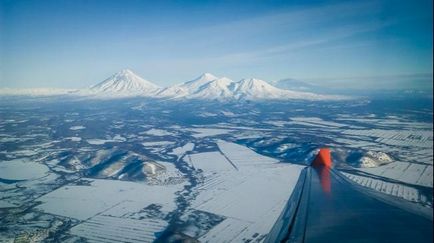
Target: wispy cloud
{"type": "Point", "coordinates": [276, 34]}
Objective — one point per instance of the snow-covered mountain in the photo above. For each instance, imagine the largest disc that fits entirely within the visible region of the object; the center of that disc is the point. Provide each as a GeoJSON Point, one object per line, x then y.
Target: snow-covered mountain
{"type": "Point", "coordinates": [188, 88]}
{"type": "Point", "coordinates": [206, 87]}
{"type": "Point", "coordinates": [210, 87]}
{"type": "Point", "coordinates": [256, 89]}
{"type": "Point", "coordinates": [217, 89]}
{"type": "Point", "coordinates": [125, 83]}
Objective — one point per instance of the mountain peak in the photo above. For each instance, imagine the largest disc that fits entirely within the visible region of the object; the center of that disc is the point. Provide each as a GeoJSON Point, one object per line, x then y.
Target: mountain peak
{"type": "Point", "coordinates": [253, 83]}
{"type": "Point", "coordinates": [208, 76]}
{"type": "Point", "coordinates": [194, 84]}
{"type": "Point", "coordinates": [127, 74]}
{"type": "Point", "coordinates": [126, 71]}
{"type": "Point", "coordinates": [252, 88]}
{"type": "Point", "coordinates": [125, 82]}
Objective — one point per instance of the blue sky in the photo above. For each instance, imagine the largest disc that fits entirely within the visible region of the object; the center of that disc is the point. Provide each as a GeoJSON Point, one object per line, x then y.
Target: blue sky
{"type": "Point", "coordinates": [76, 43]}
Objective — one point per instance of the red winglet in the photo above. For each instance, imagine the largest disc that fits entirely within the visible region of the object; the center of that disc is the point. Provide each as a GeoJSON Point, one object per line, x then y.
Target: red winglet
{"type": "Point", "coordinates": [323, 158]}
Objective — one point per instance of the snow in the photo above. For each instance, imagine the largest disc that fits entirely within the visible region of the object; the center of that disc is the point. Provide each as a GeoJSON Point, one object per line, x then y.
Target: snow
{"type": "Point", "coordinates": [209, 161]}
{"type": "Point", "coordinates": [125, 83]}
{"type": "Point", "coordinates": [256, 89]}
{"type": "Point", "coordinates": [209, 132]}
{"type": "Point", "coordinates": [277, 123]}
{"type": "Point", "coordinates": [380, 156]}
{"type": "Point", "coordinates": [398, 137]}
{"type": "Point", "coordinates": [22, 169]}
{"type": "Point", "coordinates": [286, 146]}
{"type": "Point", "coordinates": [218, 89]}
{"type": "Point", "coordinates": [315, 121]}
{"type": "Point", "coordinates": [206, 87]}
{"type": "Point", "coordinates": [210, 87]}
{"type": "Point", "coordinates": [395, 189]}
{"type": "Point", "coordinates": [113, 210]}
{"type": "Point", "coordinates": [374, 159]}
{"type": "Point", "coordinates": [250, 190]}
{"type": "Point", "coordinates": [157, 143]}
{"type": "Point", "coordinates": [119, 138]}
{"type": "Point", "coordinates": [166, 174]}
{"type": "Point", "coordinates": [207, 114]}
{"type": "Point", "coordinates": [416, 174]}
{"type": "Point", "coordinates": [228, 113]}
{"type": "Point", "coordinates": [150, 168]}
{"type": "Point", "coordinates": [187, 88]}
{"type": "Point", "coordinates": [113, 169]}
{"type": "Point", "coordinates": [97, 141]}
{"type": "Point", "coordinates": [74, 128]}
{"type": "Point", "coordinates": [36, 92]}
{"type": "Point", "coordinates": [83, 201]}
{"type": "Point", "coordinates": [180, 151]}
{"type": "Point", "coordinates": [157, 132]}
{"type": "Point", "coordinates": [242, 156]}
{"type": "Point", "coordinates": [195, 84]}
{"type": "Point", "coordinates": [367, 162]}
{"type": "Point", "coordinates": [115, 229]}
{"type": "Point", "coordinates": [4, 204]}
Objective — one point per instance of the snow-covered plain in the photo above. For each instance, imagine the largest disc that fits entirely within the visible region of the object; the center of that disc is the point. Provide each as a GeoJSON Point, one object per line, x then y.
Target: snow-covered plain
{"type": "Point", "coordinates": [208, 132]}
{"type": "Point", "coordinates": [102, 228]}
{"type": "Point", "coordinates": [97, 141]}
{"type": "Point", "coordinates": [416, 174]}
{"type": "Point", "coordinates": [157, 132]}
{"type": "Point", "coordinates": [77, 128]}
{"type": "Point", "coordinates": [22, 169]}
{"type": "Point", "coordinates": [85, 201]}
{"type": "Point", "coordinates": [211, 171]}
{"type": "Point", "coordinates": [37, 92]}
{"type": "Point", "coordinates": [157, 143]}
{"type": "Point", "coordinates": [250, 190]}
{"type": "Point", "coordinates": [238, 184]}
{"type": "Point", "coordinates": [419, 138]}
{"type": "Point", "coordinates": [392, 188]}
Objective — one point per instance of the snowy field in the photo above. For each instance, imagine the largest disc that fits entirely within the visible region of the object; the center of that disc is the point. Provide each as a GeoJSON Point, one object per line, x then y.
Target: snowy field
{"type": "Point", "coordinates": [102, 195]}
{"type": "Point", "coordinates": [112, 229]}
{"type": "Point", "coordinates": [248, 189]}
{"type": "Point", "coordinates": [416, 174]}
{"type": "Point", "coordinates": [115, 171]}
{"type": "Point", "coordinates": [22, 169]}
{"type": "Point", "coordinates": [392, 188]}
